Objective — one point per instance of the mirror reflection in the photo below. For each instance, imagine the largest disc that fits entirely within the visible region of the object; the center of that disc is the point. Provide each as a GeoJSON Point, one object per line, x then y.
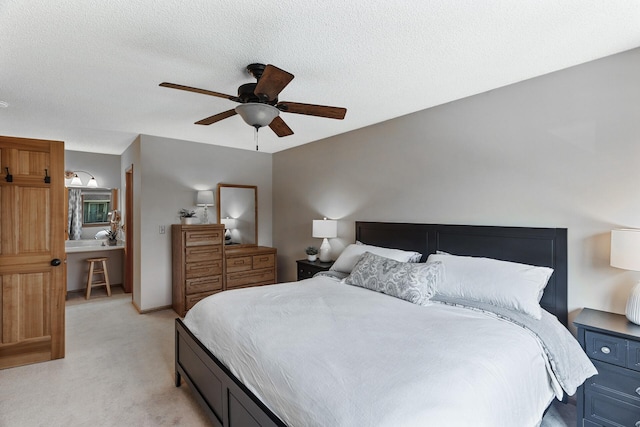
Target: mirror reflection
{"type": "Point", "coordinates": [238, 210]}
{"type": "Point", "coordinates": [89, 207]}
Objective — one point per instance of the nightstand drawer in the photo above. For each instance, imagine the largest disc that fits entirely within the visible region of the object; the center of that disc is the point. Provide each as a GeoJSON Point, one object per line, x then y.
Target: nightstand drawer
{"type": "Point", "coordinates": [612, 380]}
{"type": "Point", "coordinates": [605, 410]}
{"type": "Point", "coordinates": [606, 348]}
{"type": "Point", "coordinates": [633, 355]}
{"type": "Point", "coordinates": [305, 273]}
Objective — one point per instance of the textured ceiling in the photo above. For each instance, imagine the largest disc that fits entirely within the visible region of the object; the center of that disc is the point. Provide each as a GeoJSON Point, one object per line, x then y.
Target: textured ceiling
{"type": "Point", "coordinates": [87, 72]}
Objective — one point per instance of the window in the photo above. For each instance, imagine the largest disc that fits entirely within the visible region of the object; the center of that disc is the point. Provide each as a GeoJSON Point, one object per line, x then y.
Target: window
{"type": "Point", "coordinates": [96, 207]}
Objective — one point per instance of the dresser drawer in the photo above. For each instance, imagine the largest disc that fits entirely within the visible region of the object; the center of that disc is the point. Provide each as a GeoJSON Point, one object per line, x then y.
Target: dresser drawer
{"type": "Point", "coordinates": [203, 237]}
{"type": "Point", "coordinates": [609, 411]}
{"type": "Point", "coordinates": [203, 253]}
{"type": "Point", "coordinates": [606, 348]}
{"type": "Point", "coordinates": [241, 263]}
{"type": "Point", "coordinates": [191, 300]}
{"type": "Point", "coordinates": [263, 261]}
{"type": "Point", "coordinates": [202, 269]}
{"type": "Point", "coordinates": [203, 284]}
{"type": "Point", "coordinates": [251, 278]}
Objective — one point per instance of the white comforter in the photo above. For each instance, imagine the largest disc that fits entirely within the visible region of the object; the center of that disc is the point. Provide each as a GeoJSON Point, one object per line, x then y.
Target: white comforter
{"type": "Point", "coordinates": [321, 353]}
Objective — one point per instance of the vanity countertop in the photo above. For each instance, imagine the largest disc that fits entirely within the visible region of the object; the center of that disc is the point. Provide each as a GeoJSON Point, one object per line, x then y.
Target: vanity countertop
{"type": "Point", "coordinates": [75, 246]}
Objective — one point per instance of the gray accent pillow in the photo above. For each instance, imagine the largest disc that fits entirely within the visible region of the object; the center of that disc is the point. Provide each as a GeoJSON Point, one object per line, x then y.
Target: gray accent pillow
{"type": "Point", "coordinates": [413, 282]}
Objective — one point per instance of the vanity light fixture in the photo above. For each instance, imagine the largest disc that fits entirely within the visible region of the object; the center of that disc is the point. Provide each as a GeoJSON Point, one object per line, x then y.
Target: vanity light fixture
{"type": "Point", "coordinates": [77, 182]}
{"type": "Point", "coordinates": [325, 229]}
{"type": "Point", "coordinates": [205, 198]}
{"type": "Point", "coordinates": [625, 254]}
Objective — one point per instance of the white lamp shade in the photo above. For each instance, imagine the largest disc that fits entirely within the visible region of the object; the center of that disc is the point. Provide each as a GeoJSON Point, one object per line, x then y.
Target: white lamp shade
{"type": "Point", "coordinates": [205, 198]}
{"type": "Point", "coordinates": [229, 223]}
{"type": "Point", "coordinates": [625, 249]}
{"type": "Point", "coordinates": [76, 181]}
{"type": "Point", "coordinates": [92, 183]}
{"type": "Point", "coordinates": [256, 114]}
{"type": "Point", "coordinates": [325, 228]}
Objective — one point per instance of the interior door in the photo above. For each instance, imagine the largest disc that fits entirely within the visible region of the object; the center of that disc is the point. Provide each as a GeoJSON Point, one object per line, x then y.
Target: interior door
{"type": "Point", "coordinates": [32, 269]}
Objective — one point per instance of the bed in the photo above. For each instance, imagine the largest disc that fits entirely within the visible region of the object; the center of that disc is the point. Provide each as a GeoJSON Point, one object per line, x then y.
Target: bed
{"type": "Point", "coordinates": [236, 392]}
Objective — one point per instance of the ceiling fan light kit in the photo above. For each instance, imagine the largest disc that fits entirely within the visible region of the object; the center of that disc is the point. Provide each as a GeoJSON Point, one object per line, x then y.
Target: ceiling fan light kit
{"type": "Point", "coordinates": [259, 101]}
{"type": "Point", "coordinates": [257, 115]}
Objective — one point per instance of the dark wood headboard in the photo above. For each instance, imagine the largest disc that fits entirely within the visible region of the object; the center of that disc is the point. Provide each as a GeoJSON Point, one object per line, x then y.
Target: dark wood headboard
{"type": "Point", "coordinates": [545, 247]}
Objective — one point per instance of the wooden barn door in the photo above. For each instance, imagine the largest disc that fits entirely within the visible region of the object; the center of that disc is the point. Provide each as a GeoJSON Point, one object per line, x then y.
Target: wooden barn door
{"type": "Point", "coordinates": [32, 269]}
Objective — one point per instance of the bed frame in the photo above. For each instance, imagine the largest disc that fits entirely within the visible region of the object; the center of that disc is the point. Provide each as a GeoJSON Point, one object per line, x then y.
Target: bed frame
{"type": "Point", "coordinates": [227, 402]}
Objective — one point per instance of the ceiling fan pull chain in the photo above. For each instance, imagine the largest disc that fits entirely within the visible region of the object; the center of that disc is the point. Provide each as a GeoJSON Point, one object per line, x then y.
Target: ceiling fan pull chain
{"type": "Point", "coordinates": [256, 137]}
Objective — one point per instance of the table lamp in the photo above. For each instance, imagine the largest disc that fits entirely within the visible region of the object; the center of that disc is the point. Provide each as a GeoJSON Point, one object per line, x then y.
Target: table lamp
{"type": "Point", "coordinates": [325, 229]}
{"type": "Point", "coordinates": [229, 224]}
{"type": "Point", "coordinates": [205, 198]}
{"type": "Point", "coordinates": [625, 254]}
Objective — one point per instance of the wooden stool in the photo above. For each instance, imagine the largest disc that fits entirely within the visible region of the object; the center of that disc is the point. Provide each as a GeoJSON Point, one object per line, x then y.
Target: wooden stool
{"type": "Point", "coordinates": [98, 266]}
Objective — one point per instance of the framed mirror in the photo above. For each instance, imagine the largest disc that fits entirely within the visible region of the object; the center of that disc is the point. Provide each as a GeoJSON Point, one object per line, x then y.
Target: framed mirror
{"type": "Point", "coordinates": [93, 204]}
{"type": "Point", "coordinates": [237, 208]}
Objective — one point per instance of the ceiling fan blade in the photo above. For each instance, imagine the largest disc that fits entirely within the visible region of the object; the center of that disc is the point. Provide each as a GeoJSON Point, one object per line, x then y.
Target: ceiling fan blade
{"type": "Point", "coordinates": [202, 91]}
{"type": "Point", "coordinates": [217, 117]}
{"type": "Point", "coordinates": [312, 110]}
{"type": "Point", "coordinates": [272, 82]}
{"type": "Point", "coordinates": [280, 127]}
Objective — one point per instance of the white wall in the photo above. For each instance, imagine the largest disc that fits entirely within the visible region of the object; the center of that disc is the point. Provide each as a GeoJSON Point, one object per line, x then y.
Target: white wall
{"type": "Point", "coordinates": [171, 172]}
{"type": "Point", "coordinates": [560, 150]}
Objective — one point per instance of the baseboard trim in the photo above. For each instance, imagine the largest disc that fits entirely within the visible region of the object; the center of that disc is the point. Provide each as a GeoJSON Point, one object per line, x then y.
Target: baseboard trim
{"type": "Point", "coordinates": [149, 310]}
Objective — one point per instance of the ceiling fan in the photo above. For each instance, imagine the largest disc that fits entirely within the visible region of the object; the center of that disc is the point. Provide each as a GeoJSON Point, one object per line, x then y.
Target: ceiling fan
{"type": "Point", "coordinates": [259, 101]}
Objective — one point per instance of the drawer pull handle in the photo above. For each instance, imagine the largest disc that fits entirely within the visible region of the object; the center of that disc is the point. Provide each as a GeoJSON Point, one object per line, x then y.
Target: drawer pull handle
{"type": "Point", "coordinates": [638, 392]}
{"type": "Point", "coordinates": [607, 350]}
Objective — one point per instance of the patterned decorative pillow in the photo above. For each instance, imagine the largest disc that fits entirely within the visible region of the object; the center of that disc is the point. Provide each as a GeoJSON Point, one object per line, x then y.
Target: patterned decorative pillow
{"type": "Point", "coordinates": [351, 254]}
{"type": "Point", "coordinates": [413, 282]}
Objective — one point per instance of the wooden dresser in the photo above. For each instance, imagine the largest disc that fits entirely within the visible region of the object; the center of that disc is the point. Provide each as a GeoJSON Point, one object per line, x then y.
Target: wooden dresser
{"type": "Point", "coordinates": [249, 266]}
{"type": "Point", "coordinates": [197, 263]}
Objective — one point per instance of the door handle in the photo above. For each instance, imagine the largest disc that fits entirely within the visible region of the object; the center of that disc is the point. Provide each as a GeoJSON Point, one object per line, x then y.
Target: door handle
{"type": "Point", "coordinates": [55, 262]}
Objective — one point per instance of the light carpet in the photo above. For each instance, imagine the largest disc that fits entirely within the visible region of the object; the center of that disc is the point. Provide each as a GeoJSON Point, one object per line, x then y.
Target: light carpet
{"type": "Point", "coordinates": [119, 371]}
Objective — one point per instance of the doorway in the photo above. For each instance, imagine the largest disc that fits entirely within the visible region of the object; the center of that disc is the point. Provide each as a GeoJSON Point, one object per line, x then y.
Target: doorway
{"type": "Point", "coordinates": [128, 230]}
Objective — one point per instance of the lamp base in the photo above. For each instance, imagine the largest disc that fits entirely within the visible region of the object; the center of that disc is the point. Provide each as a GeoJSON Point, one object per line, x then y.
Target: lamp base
{"type": "Point", "coordinates": [205, 216]}
{"type": "Point", "coordinates": [633, 305]}
{"type": "Point", "coordinates": [324, 254]}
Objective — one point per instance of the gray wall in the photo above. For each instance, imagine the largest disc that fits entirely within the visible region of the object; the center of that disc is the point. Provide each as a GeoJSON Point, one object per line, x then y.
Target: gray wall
{"type": "Point", "coordinates": [560, 150]}
{"type": "Point", "coordinates": [170, 173]}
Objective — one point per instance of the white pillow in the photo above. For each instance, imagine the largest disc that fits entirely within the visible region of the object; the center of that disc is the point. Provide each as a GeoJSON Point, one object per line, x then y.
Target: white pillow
{"type": "Point", "coordinates": [505, 284]}
{"type": "Point", "coordinates": [352, 253]}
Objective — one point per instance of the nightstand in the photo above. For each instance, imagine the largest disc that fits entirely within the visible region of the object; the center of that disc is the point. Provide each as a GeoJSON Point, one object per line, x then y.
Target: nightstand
{"type": "Point", "coordinates": [613, 344]}
{"type": "Point", "coordinates": [307, 269]}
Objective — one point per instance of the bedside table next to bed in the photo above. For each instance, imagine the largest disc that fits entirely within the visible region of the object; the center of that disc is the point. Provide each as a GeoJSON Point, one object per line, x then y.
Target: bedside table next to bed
{"type": "Point", "coordinates": [613, 344]}
{"type": "Point", "coordinates": [307, 269]}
